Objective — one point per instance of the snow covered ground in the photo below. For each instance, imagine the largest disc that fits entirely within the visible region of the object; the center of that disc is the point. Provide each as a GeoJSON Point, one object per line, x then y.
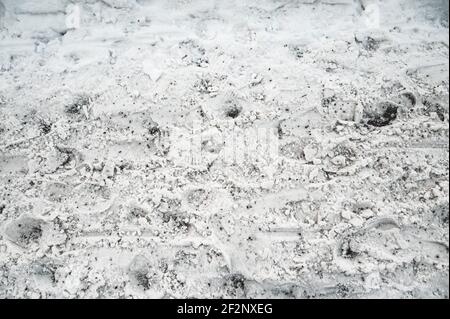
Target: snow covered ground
{"type": "Point", "coordinates": [234, 148]}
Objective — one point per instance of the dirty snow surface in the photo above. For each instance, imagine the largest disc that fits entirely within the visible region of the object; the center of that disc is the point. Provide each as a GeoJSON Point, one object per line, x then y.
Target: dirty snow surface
{"type": "Point", "coordinates": [224, 149]}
